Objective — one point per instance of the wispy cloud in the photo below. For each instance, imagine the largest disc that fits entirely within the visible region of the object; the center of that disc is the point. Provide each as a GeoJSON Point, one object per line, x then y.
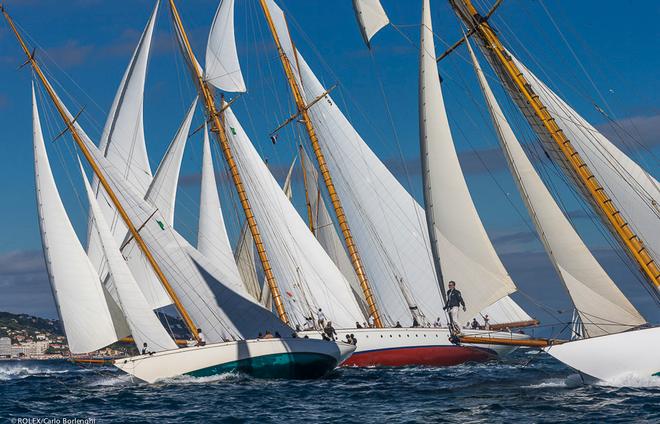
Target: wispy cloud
{"type": "Point", "coordinates": [70, 54]}
{"type": "Point", "coordinates": [636, 132]}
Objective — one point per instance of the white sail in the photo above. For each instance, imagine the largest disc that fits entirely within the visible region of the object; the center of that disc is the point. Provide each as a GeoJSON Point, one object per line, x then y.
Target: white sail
{"type": "Point", "coordinates": [636, 193]}
{"type": "Point", "coordinates": [79, 297]}
{"type": "Point", "coordinates": [145, 326]}
{"type": "Point", "coordinates": [223, 69]}
{"type": "Point", "coordinates": [245, 261]}
{"type": "Point", "coordinates": [326, 233]}
{"type": "Point", "coordinates": [466, 254]}
{"type": "Point", "coordinates": [306, 275]}
{"type": "Point", "coordinates": [222, 309]}
{"type": "Point", "coordinates": [602, 307]}
{"type": "Point", "coordinates": [123, 143]}
{"type": "Point", "coordinates": [212, 238]}
{"type": "Point", "coordinates": [371, 16]}
{"type": "Point", "coordinates": [162, 190]}
{"type": "Point", "coordinates": [504, 311]}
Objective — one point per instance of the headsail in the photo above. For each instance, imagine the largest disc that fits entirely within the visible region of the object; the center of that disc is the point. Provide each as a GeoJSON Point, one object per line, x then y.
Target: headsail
{"type": "Point", "coordinates": [145, 326]}
{"type": "Point", "coordinates": [602, 307]}
{"type": "Point", "coordinates": [223, 69]}
{"type": "Point", "coordinates": [212, 238]}
{"type": "Point", "coordinates": [371, 16]}
{"type": "Point", "coordinates": [466, 254]}
{"type": "Point", "coordinates": [76, 287]}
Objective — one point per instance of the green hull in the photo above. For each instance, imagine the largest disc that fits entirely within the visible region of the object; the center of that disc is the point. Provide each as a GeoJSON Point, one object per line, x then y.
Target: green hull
{"type": "Point", "coordinates": [279, 365]}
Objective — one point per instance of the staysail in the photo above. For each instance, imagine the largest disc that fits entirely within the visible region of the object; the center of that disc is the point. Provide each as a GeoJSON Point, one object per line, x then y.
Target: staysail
{"type": "Point", "coordinates": [306, 275]}
{"type": "Point", "coordinates": [212, 238]}
{"type": "Point", "coordinates": [223, 69]}
{"type": "Point", "coordinates": [79, 297]}
{"type": "Point", "coordinates": [602, 307]}
{"type": "Point", "coordinates": [145, 327]}
{"type": "Point", "coordinates": [466, 255]}
{"type": "Point", "coordinates": [371, 16]}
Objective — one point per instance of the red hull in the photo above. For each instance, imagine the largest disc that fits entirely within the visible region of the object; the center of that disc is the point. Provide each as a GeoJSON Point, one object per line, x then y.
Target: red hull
{"type": "Point", "coordinates": [438, 356]}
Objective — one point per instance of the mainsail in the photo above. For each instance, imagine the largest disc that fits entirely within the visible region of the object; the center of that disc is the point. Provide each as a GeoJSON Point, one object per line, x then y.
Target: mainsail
{"type": "Point", "coordinates": [602, 307]}
{"type": "Point", "coordinates": [465, 253]}
{"type": "Point", "coordinates": [371, 16]}
{"type": "Point", "coordinates": [223, 69]}
{"type": "Point", "coordinates": [79, 297]}
{"type": "Point", "coordinates": [306, 275]}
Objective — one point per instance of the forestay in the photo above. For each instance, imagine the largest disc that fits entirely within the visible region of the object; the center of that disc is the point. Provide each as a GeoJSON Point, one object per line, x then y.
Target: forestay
{"type": "Point", "coordinates": [223, 69]}
{"type": "Point", "coordinates": [635, 192]}
{"type": "Point", "coordinates": [145, 327]}
{"type": "Point", "coordinates": [602, 307]}
{"type": "Point", "coordinates": [76, 287]}
{"type": "Point", "coordinates": [466, 254]}
{"type": "Point", "coordinates": [307, 277]}
{"type": "Point", "coordinates": [371, 16]}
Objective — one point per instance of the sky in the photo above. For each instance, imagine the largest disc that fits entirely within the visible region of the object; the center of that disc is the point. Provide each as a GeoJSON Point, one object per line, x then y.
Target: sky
{"type": "Point", "coordinates": [86, 45]}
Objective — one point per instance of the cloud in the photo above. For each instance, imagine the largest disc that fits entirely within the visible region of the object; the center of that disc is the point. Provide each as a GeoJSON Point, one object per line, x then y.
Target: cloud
{"type": "Point", "coordinates": [24, 285]}
{"type": "Point", "coordinates": [70, 54]}
{"type": "Point", "coordinates": [635, 132]}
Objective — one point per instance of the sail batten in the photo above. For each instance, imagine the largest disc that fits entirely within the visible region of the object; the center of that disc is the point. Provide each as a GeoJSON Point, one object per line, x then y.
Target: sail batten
{"type": "Point", "coordinates": [602, 307]}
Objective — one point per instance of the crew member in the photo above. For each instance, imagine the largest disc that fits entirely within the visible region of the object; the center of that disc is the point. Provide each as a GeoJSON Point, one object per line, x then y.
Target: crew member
{"type": "Point", "coordinates": [454, 301]}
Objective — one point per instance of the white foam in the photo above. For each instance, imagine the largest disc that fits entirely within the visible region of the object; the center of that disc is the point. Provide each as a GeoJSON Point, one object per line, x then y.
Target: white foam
{"type": "Point", "coordinates": [20, 370]}
{"type": "Point", "coordinates": [188, 379]}
{"type": "Point", "coordinates": [631, 380]}
{"type": "Point", "coordinates": [552, 382]}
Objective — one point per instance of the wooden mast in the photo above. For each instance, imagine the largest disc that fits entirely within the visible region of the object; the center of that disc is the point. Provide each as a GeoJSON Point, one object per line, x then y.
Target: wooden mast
{"type": "Point", "coordinates": [104, 182]}
{"type": "Point", "coordinates": [336, 203]}
{"type": "Point", "coordinates": [605, 204]}
{"type": "Point", "coordinates": [218, 128]}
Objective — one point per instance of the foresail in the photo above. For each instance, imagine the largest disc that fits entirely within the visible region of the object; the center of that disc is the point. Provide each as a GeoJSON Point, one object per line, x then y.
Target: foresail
{"type": "Point", "coordinates": [636, 193]}
{"type": "Point", "coordinates": [602, 307]}
{"type": "Point", "coordinates": [212, 238]}
{"type": "Point", "coordinates": [223, 69]}
{"type": "Point", "coordinates": [145, 327]}
{"type": "Point", "coordinates": [466, 254]}
{"type": "Point", "coordinates": [306, 275]}
{"type": "Point", "coordinates": [371, 17]}
{"type": "Point", "coordinates": [162, 190]}
{"type": "Point", "coordinates": [76, 287]}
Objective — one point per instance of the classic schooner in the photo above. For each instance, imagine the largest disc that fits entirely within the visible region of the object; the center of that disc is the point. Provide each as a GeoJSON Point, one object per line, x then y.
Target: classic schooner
{"type": "Point", "coordinates": [98, 309]}
{"type": "Point", "coordinates": [625, 196]}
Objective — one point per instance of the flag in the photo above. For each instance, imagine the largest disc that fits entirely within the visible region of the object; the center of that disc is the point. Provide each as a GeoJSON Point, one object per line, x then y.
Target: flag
{"type": "Point", "coordinates": [161, 225]}
{"type": "Point", "coordinates": [233, 130]}
{"type": "Point", "coordinates": [273, 138]}
{"type": "Point", "coordinates": [289, 294]}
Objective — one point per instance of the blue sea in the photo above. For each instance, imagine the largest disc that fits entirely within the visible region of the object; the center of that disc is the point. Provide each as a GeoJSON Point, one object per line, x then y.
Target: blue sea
{"type": "Point", "coordinates": [526, 387]}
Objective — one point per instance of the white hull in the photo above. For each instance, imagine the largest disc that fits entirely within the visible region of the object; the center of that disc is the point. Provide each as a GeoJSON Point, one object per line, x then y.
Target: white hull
{"type": "Point", "coordinates": [418, 346]}
{"type": "Point", "coordinates": [269, 358]}
{"type": "Point", "coordinates": [633, 353]}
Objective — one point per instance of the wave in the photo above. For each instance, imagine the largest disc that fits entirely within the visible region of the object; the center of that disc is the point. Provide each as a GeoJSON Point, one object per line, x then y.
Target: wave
{"type": "Point", "coordinates": [550, 383]}
{"type": "Point", "coordinates": [21, 370]}
{"type": "Point", "coordinates": [188, 379]}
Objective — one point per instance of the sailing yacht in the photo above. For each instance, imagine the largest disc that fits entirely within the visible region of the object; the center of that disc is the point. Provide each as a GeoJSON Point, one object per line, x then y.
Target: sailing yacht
{"type": "Point", "coordinates": [97, 310]}
{"type": "Point", "coordinates": [624, 195]}
{"type": "Point", "coordinates": [384, 249]}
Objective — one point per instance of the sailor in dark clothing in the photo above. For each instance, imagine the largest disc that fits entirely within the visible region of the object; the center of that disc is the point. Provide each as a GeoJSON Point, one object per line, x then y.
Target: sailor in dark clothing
{"type": "Point", "coordinates": [454, 300]}
{"type": "Point", "coordinates": [330, 331]}
{"type": "Point", "coordinates": [415, 322]}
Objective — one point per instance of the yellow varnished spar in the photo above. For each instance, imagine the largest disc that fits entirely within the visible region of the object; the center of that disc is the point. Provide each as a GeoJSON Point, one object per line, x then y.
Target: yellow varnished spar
{"type": "Point", "coordinates": [303, 110]}
{"type": "Point", "coordinates": [606, 206]}
{"type": "Point", "coordinates": [104, 182]}
{"type": "Point", "coordinates": [218, 128]}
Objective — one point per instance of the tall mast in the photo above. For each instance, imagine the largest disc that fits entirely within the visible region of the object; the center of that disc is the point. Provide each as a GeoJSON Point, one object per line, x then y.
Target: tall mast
{"type": "Point", "coordinates": [327, 178]}
{"type": "Point", "coordinates": [217, 127]}
{"type": "Point", "coordinates": [104, 182]}
{"type": "Point", "coordinates": [599, 196]}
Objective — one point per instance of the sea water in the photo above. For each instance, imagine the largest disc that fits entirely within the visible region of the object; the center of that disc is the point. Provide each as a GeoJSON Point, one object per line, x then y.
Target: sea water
{"type": "Point", "coordinates": [525, 387]}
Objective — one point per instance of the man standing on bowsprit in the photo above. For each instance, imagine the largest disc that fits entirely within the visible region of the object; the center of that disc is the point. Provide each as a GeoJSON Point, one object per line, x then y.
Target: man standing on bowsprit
{"type": "Point", "coordinates": [454, 300]}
